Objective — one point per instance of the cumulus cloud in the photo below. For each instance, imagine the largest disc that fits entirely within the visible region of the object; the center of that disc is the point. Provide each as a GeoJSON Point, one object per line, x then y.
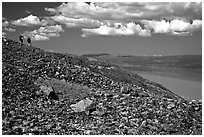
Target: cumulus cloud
{"type": "Point", "coordinates": [76, 22]}
{"type": "Point", "coordinates": [44, 33]}
{"type": "Point", "coordinates": [28, 12]}
{"type": "Point", "coordinates": [96, 11]}
{"type": "Point", "coordinates": [3, 34]}
{"type": "Point", "coordinates": [29, 21]}
{"type": "Point", "coordinates": [37, 37]}
{"type": "Point", "coordinates": [174, 27]}
{"type": "Point", "coordinates": [128, 11]}
{"type": "Point", "coordinates": [5, 23]}
{"type": "Point", "coordinates": [157, 26]}
{"type": "Point", "coordinates": [10, 29]}
{"type": "Point", "coordinates": [180, 33]}
{"type": "Point", "coordinates": [180, 25]}
{"type": "Point", "coordinates": [146, 27]}
{"type": "Point", "coordinates": [102, 18]}
{"type": "Point", "coordinates": [117, 30]}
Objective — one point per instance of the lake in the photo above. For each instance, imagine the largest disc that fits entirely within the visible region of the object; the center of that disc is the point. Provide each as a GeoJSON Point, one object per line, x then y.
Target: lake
{"type": "Point", "coordinates": [186, 88]}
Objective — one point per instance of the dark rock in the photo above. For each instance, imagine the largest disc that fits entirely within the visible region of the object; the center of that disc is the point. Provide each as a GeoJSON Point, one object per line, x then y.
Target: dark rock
{"type": "Point", "coordinates": [36, 132]}
{"type": "Point", "coordinates": [53, 95]}
{"type": "Point", "coordinates": [144, 94]}
{"type": "Point", "coordinates": [135, 94]}
{"type": "Point", "coordinates": [171, 106]}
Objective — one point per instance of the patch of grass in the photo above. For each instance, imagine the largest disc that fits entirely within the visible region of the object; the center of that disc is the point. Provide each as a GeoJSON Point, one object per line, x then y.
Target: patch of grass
{"type": "Point", "coordinates": [69, 91]}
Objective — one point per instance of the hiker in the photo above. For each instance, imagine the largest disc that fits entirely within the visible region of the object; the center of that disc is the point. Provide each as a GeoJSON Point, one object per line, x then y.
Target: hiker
{"type": "Point", "coordinates": [4, 40]}
{"type": "Point", "coordinates": [21, 39]}
{"type": "Point", "coordinates": [29, 40]}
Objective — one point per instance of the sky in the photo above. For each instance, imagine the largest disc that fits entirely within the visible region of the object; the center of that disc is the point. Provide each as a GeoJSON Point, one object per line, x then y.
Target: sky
{"type": "Point", "coordinates": [127, 28]}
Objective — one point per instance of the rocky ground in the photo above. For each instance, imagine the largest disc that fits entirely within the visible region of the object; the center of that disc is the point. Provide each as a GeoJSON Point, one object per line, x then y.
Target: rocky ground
{"type": "Point", "coordinates": [45, 93]}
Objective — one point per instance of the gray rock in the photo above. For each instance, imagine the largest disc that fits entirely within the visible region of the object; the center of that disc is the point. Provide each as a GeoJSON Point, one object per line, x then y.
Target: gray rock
{"type": "Point", "coordinates": [46, 89]}
{"type": "Point", "coordinates": [171, 106]}
{"type": "Point", "coordinates": [81, 105]}
{"type": "Point", "coordinates": [197, 108]}
{"type": "Point", "coordinates": [87, 132]}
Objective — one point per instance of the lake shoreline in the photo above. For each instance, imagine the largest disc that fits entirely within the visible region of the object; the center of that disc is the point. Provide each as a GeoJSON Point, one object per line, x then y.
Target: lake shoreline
{"type": "Point", "coordinates": [188, 89]}
{"type": "Point", "coordinates": [194, 77]}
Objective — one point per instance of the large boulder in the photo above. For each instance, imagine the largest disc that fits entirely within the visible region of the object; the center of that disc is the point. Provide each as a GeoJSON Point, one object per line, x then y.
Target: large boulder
{"type": "Point", "coordinates": [81, 105]}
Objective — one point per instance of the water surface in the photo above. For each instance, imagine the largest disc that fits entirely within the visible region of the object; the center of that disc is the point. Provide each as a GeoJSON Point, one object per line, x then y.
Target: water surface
{"type": "Point", "coordinates": [186, 88]}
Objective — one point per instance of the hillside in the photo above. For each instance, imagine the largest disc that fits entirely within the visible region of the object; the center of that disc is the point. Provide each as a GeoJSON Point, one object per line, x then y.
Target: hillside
{"type": "Point", "coordinates": [63, 94]}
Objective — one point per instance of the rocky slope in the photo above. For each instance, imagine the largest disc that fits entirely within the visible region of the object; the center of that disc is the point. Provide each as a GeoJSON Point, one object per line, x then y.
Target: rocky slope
{"type": "Point", "coordinates": [52, 93]}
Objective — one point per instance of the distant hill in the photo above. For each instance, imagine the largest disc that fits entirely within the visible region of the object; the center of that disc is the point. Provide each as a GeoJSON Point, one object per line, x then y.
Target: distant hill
{"type": "Point", "coordinates": [181, 66]}
{"type": "Point", "coordinates": [96, 55]}
{"type": "Point", "coordinates": [47, 93]}
{"type": "Point", "coordinates": [177, 61]}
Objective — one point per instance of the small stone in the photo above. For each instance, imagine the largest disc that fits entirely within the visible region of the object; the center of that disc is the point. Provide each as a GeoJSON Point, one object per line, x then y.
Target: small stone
{"type": "Point", "coordinates": [156, 121]}
{"type": "Point", "coordinates": [109, 95]}
{"type": "Point", "coordinates": [125, 95]}
{"type": "Point", "coordinates": [57, 73]}
{"type": "Point", "coordinates": [124, 113]}
{"type": "Point", "coordinates": [131, 131]}
{"type": "Point", "coordinates": [171, 106]}
{"type": "Point", "coordinates": [196, 108]}
{"type": "Point", "coordinates": [144, 94]}
{"type": "Point", "coordinates": [152, 127]}
{"type": "Point", "coordinates": [135, 94]}
{"type": "Point", "coordinates": [124, 90]}
{"type": "Point", "coordinates": [63, 80]}
{"type": "Point", "coordinates": [25, 122]}
{"type": "Point", "coordinates": [116, 96]}
{"type": "Point", "coordinates": [87, 132]}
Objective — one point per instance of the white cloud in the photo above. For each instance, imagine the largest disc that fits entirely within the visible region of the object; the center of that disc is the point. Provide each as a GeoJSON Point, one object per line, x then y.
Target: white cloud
{"type": "Point", "coordinates": [181, 33]}
{"type": "Point", "coordinates": [51, 29]}
{"type": "Point", "coordinates": [36, 37]}
{"type": "Point", "coordinates": [117, 30]}
{"type": "Point", "coordinates": [77, 22]}
{"type": "Point", "coordinates": [10, 29]}
{"type": "Point", "coordinates": [3, 34]}
{"type": "Point", "coordinates": [196, 25]}
{"type": "Point", "coordinates": [138, 30]}
{"type": "Point", "coordinates": [157, 26]}
{"type": "Point", "coordinates": [128, 11]}
{"type": "Point", "coordinates": [174, 27]}
{"type": "Point", "coordinates": [29, 21]}
{"type": "Point", "coordinates": [44, 33]}
{"type": "Point", "coordinates": [93, 11]}
{"type": "Point", "coordinates": [52, 10]}
{"type": "Point", "coordinates": [179, 25]}
{"type": "Point", "coordinates": [5, 23]}
{"type": "Point", "coordinates": [28, 12]}
{"type": "Point", "coordinates": [101, 18]}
